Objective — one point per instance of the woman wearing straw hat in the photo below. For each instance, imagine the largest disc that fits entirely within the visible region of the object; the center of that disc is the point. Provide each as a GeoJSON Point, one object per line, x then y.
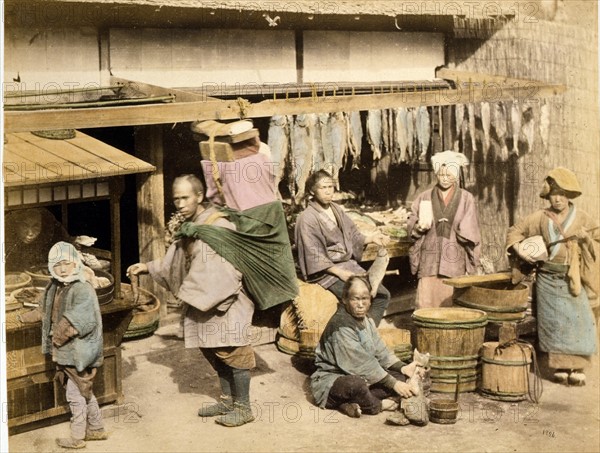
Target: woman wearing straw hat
{"type": "Point", "coordinates": [566, 329]}
{"type": "Point", "coordinates": [443, 223]}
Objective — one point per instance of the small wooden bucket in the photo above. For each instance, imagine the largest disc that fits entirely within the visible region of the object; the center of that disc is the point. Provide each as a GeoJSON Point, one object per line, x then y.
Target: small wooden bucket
{"type": "Point", "coordinates": [453, 337]}
{"type": "Point", "coordinates": [443, 411]}
{"type": "Point", "coordinates": [499, 301]}
{"type": "Point", "coordinates": [505, 371]}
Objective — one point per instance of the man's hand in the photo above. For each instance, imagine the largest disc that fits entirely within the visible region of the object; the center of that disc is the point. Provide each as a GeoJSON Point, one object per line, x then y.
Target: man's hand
{"type": "Point", "coordinates": [137, 269]}
{"type": "Point", "coordinates": [378, 239]}
{"type": "Point", "coordinates": [403, 389]}
{"type": "Point", "coordinates": [583, 236]}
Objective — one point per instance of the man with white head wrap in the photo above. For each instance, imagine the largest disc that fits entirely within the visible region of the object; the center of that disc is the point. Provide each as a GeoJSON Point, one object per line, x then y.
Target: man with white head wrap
{"type": "Point", "coordinates": [443, 223]}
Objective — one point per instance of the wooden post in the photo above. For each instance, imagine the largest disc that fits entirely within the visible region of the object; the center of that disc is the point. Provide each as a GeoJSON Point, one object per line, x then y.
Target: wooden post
{"type": "Point", "coordinates": [150, 203]}
{"type": "Point", "coordinates": [116, 189]}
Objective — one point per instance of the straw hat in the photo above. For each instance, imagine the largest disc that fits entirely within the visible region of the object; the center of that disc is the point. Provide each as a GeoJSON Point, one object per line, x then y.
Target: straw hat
{"type": "Point", "coordinates": [561, 178]}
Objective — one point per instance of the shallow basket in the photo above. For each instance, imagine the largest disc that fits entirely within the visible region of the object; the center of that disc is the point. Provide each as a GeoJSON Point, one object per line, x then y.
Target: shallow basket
{"type": "Point", "coordinates": [16, 280]}
{"type": "Point", "coordinates": [499, 300]}
{"type": "Point", "coordinates": [143, 322]}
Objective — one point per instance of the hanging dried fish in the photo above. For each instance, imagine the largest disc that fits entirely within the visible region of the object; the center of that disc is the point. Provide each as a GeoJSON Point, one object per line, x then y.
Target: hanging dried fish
{"type": "Point", "coordinates": [485, 123]}
{"type": "Point", "coordinates": [302, 150]}
{"type": "Point", "coordinates": [326, 146]}
{"type": "Point", "coordinates": [423, 132]}
{"type": "Point", "coordinates": [355, 135]}
{"type": "Point", "coordinates": [314, 131]}
{"type": "Point", "coordinates": [279, 143]}
{"type": "Point", "coordinates": [545, 124]}
{"type": "Point", "coordinates": [499, 123]}
{"type": "Point", "coordinates": [374, 132]}
{"type": "Point", "coordinates": [462, 127]}
{"type": "Point", "coordinates": [385, 133]}
{"type": "Point", "coordinates": [339, 141]}
{"type": "Point", "coordinates": [401, 133]}
{"type": "Point", "coordinates": [472, 130]}
{"type": "Point", "coordinates": [411, 133]}
{"type": "Point", "coordinates": [515, 120]}
{"type": "Point", "coordinates": [528, 128]}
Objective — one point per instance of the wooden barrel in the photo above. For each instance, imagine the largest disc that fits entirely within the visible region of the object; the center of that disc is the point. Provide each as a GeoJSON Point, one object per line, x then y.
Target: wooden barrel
{"type": "Point", "coordinates": [500, 300]}
{"type": "Point", "coordinates": [505, 371]}
{"type": "Point", "coordinates": [453, 337]}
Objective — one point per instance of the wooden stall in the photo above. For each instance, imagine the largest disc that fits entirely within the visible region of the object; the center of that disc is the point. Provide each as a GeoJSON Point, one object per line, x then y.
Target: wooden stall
{"type": "Point", "coordinates": [41, 172]}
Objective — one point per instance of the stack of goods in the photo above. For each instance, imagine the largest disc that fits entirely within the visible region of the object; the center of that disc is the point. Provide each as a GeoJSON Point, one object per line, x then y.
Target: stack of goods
{"type": "Point", "coordinates": [236, 164]}
{"type": "Point", "coordinates": [391, 222]}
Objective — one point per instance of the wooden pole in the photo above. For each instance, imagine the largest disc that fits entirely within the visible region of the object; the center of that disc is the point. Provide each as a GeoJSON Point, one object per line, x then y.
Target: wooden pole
{"type": "Point", "coordinates": [150, 202]}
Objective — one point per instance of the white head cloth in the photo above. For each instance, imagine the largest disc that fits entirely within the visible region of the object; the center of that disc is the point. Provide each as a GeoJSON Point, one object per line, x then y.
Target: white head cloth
{"type": "Point", "coordinates": [450, 159]}
{"type": "Point", "coordinates": [63, 251]}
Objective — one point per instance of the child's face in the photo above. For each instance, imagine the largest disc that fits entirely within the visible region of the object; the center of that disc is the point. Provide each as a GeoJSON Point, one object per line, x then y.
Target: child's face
{"type": "Point", "coordinates": [64, 268]}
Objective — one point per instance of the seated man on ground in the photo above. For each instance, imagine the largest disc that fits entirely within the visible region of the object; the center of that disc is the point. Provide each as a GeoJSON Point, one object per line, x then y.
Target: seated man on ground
{"type": "Point", "coordinates": [356, 373]}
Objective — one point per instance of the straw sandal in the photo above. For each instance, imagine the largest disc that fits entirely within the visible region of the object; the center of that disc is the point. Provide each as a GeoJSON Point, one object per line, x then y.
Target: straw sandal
{"type": "Point", "coordinates": [69, 442]}
{"type": "Point", "coordinates": [96, 434]}
{"type": "Point", "coordinates": [577, 378]}
{"type": "Point", "coordinates": [561, 377]}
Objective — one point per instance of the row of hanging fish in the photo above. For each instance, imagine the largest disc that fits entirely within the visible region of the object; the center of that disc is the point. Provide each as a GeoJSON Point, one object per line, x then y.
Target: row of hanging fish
{"type": "Point", "coordinates": [302, 144]}
{"type": "Point", "coordinates": [403, 133]}
{"type": "Point", "coordinates": [306, 143]}
{"type": "Point", "coordinates": [503, 123]}
{"type": "Point", "coordinates": [333, 141]}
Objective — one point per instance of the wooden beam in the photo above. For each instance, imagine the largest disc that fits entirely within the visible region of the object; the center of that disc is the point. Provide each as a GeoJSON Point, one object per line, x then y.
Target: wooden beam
{"type": "Point", "coordinates": [480, 78]}
{"type": "Point", "coordinates": [155, 90]}
{"type": "Point", "coordinates": [232, 109]}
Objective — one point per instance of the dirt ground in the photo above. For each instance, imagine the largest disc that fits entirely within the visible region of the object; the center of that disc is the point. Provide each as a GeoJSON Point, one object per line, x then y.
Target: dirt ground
{"type": "Point", "coordinates": [165, 384]}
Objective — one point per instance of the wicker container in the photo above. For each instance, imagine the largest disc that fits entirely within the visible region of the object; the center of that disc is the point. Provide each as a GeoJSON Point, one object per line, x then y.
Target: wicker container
{"type": "Point", "coordinates": [505, 371]}
{"type": "Point", "coordinates": [15, 280]}
{"type": "Point", "coordinates": [499, 300]}
{"type": "Point", "coordinates": [288, 324]}
{"type": "Point", "coordinates": [40, 275]}
{"type": "Point", "coordinates": [453, 336]}
{"type": "Point", "coordinates": [144, 322]}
